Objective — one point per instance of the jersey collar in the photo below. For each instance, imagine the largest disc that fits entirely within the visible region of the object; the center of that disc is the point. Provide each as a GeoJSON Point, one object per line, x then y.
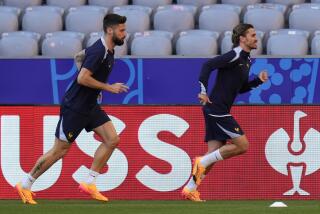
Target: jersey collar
{"type": "Point", "coordinates": [110, 52]}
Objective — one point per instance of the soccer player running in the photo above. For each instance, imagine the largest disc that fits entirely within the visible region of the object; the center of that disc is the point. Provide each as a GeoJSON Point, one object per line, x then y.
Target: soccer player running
{"type": "Point", "coordinates": [232, 78]}
{"type": "Point", "coordinates": [80, 110]}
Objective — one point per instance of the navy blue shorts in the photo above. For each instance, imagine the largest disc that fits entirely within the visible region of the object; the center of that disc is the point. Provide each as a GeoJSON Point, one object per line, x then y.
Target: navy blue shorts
{"type": "Point", "coordinates": [71, 123]}
{"type": "Point", "coordinates": [221, 127]}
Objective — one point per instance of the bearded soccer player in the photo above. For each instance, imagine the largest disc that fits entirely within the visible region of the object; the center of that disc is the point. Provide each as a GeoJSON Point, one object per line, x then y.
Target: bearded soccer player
{"type": "Point", "coordinates": [80, 110]}
{"type": "Point", "coordinates": [232, 78]}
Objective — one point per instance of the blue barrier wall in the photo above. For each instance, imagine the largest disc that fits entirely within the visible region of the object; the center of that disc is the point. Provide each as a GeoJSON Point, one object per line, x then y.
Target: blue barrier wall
{"type": "Point", "coordinates": [156, 81]}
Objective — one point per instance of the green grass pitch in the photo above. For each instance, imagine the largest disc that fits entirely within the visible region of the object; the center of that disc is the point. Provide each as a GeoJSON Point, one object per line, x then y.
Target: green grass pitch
{"type": "Point", "coordinates": [161, 207]}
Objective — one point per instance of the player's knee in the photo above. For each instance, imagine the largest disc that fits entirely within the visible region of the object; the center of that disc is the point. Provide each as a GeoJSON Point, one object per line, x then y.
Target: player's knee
{"type": "Point", "coordinates": [113, 142]}
{"type": "Point", "coordinates": [243, 147]}
{"type": "Point", "coordinates": [63, 152]}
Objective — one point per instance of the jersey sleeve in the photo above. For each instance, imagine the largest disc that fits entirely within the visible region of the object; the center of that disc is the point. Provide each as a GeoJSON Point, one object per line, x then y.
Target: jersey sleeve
{"type": "Point", "coordinates": [93, 60]}
{"type": "Point", "coordinates": [250, 85]}
{"type": "Point", "coordinates": [212, 64]}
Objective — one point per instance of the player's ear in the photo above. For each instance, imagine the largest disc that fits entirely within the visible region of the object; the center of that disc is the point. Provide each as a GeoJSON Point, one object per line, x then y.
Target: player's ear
{"type": "Point", "coordinates": [109, 30]}
{"type": "Point", "coordinates": [242, 38]}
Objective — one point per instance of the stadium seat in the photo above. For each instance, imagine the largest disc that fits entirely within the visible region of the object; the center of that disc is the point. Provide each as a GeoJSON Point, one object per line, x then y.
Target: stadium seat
{"type": "Point", "coordinates": [108, 3]}
{"type": "Point", "coordinates": [226, 43]}
{"type": "Point", "coordinates": [152, 43]}
{"type": "Point", "coordinates": [66, 4]}
{"type": "Point", "coordinates": [62, 44]}
{"type": "Point", "coordinates": [138, 17]}
{"type": "Point", "coordinates": [315, 44]}
{"type": "Point", "coordinates": [22, 4]}
{"type": "Point", "coordinates": [119, 50]}
{"type": "Point", "coordinates": [43, 19]}
{"type": "Point", "coordinates": [305, 17]}
{"type": "Point", "coordinates": [288, 42]}
{"type": "Point", "coordinates": [197, 43]}
{"type": "Point", "coordinates": [9, 19]}
{"type": "Point", "coordinates": [219, 17]}
{"type": "Point", "coordinates": [240, 2]}
{"type": "Point", "coordinates": [258, 14]}
{"type": "Point", "coordinates": [174, 18]}
{"type": "Point", "coordinates": [85, 19]}
{"type": "Point", "coordinates": [198, 3]}
{"type": "Point", "coordinates": [93, 37]}
{"type": "Point", "coordinates": [286, 2]}
{"type": "Point", "coordinates": [19, 44]}
{"type": "Point", "coordinates": [153, 4]}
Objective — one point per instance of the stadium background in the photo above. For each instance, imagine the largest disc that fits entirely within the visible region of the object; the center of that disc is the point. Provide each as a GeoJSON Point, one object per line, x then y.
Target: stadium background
{"type": "Point", "coordinates": [161, 129]}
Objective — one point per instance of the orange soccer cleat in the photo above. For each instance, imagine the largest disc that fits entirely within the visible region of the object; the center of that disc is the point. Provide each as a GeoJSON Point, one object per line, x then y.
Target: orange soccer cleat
{"type": "Point", "coordinates": [198, 170]}
{"type": "Point", "coordinates": [92, 190]}
{"type": "Point", "coordinates": [191, 195]}
{"type": "Point", "coordinates": [26, 195]}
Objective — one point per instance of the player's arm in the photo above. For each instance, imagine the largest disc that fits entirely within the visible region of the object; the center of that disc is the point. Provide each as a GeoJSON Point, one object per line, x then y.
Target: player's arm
{"type": "Point", "coordinates": [212, 64]}
{"type": "Point", "coordinates": [85, 78]}
{"type": "Point", "coordinates": [79, 58]}
{"type": "Point", "coordinates": [263, 76]}
{"type": "Point", "coordinates": [207, 68]}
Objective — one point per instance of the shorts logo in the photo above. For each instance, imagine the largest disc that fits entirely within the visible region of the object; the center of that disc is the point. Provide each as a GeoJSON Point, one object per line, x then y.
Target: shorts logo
{"type": "Point", "coordinates": [237, 129]}
{"type": "Point", "coordinates": [70, 135]}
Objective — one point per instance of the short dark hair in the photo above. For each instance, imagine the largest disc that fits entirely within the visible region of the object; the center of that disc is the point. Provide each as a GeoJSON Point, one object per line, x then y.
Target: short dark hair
{"type": "Point", "coordinates": [113, 19]}
{"type": "Point", "coordinates": [239, 30]}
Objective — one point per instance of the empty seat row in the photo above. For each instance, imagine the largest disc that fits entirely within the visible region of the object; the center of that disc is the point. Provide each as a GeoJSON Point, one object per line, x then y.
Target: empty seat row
{"type": "Point", "coordinates": [285, 42]}
{"type": "Point", "coordinates": [156, 43]}
{"type": "Point", "coordinates": [66, 4]}
{"type": "Point", "coordinates": [173, 18]}
{"type": "Point", "coordinates": [58, 44]}
{"type": "Point", "coordinates": [150, 3]}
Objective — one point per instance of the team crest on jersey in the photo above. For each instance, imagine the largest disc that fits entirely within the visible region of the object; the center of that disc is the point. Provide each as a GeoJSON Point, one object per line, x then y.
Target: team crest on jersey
{"type": "Point", "coordinates": [237, 129]}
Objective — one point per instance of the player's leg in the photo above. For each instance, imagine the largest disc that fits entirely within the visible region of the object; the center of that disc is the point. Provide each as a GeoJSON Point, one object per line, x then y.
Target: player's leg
{"type": "Point", "coordinates": [68, 128]}
{"type": "Point", "coordinates": [238, 146]}
{"type": "Point", "coordinates": [58, 151]}
{"type": "Point", "coordinates": [190, 190]}
{"type": "Point", "coordinates": [110, 140]}
{"type": "Point", "coordinates": [23, 188]}
{"type": "Point", "coordinates": [224, 128]}
{"type": "Point", "coordinates": [102, 126]}
{"type": "Point", "coordinates": [213, 145]}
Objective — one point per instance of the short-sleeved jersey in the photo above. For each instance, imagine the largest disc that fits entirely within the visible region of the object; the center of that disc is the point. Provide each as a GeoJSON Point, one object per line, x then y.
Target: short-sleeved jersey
{"type": "Point", "coordinates": [99, 60]}
{"type": "Point", "coordinates": [232, 79]}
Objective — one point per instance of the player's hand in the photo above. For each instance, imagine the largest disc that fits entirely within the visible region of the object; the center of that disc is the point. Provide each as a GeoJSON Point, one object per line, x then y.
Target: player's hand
{"type": "Point", "coordinates": [204, 99]}
{"type": "Point", "coordinates": [263, 76]}
{"type": "Point", "coordinates": [117, 88]}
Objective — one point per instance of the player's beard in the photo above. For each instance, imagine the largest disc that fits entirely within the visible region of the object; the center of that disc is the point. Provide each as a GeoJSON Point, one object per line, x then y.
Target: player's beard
{"type": "Point", "coordinates": [117, 41]}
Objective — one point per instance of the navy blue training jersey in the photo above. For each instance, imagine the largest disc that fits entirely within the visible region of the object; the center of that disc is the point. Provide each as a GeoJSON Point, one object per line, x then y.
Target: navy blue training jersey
{"type": "Point", "coordinates": [99, 61]}
{"type": "Point", "coordinates": [232, 78]}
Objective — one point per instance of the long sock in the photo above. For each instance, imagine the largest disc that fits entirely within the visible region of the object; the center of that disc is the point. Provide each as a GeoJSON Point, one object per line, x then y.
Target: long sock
{"type": "Point", "coordinates": [27, 182]}
{"type": "Point", "coordinates": [91, 179]}
{"type": "Point", "coordinates": [211, 158]}
{"type": "Point", "coordinates": [191, 185]}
